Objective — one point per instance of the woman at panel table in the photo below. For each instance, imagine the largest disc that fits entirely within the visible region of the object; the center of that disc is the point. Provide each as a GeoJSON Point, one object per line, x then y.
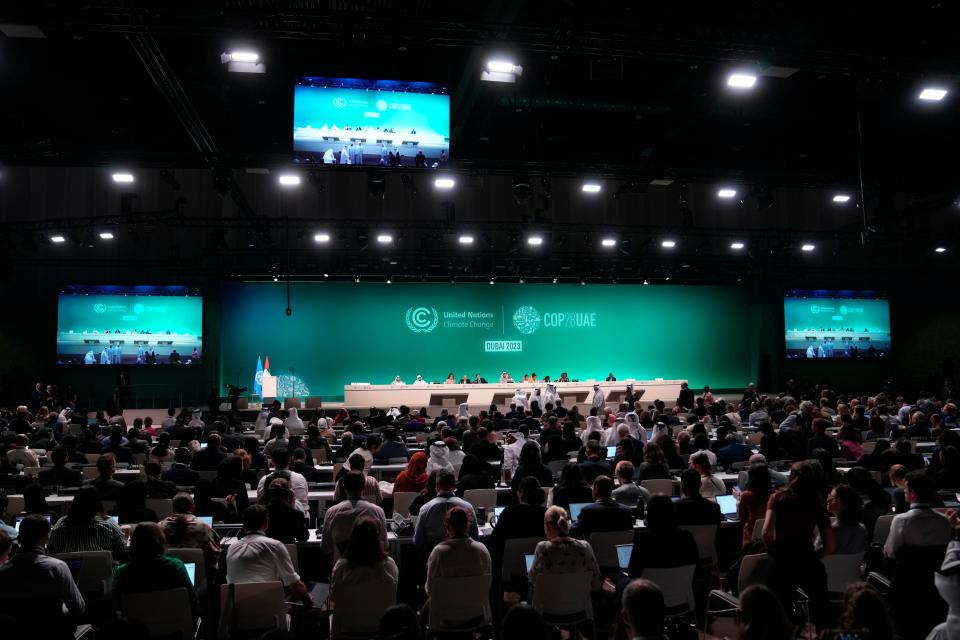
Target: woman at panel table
{"type": "Point", "coordinates": [450, 379]}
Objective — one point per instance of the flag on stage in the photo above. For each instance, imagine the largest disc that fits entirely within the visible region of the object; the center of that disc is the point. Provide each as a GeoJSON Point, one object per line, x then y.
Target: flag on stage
{"type": "Point", "coordinates": [266, 364]}
{"type": "Point", "coordinates": [258, 378]}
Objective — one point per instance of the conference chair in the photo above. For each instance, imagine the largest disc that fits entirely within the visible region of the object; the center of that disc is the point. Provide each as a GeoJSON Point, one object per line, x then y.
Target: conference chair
{"type": "Point", "coordinates": [15, 505]}
{"type": "Point", "coordinates": [481, 498]}
{"type": "Point", "coordinates": [95, 575]}
{"type": "Point", "coordinates": [108, 505]}
{"type": "Point", "coordinates": [556, 467]}
{"type": "Point", "coordinates": [358, 608]}
{"type": "Point", "coordinates": [164, 614]}
{"type": "Point", "coordinates": [188, 554]}
{"type": "Point", "coordinates": [92, 458]}
{"type": "Point", "coordinates": [513, 569]}
{"type": "Point", "coordinates": [248, 609]}
{"type": "Point", "coordinates": [842, 570]}
{"type": "Point", "coordinates": [402, 501]}
{"type": "Point", "coordinates": [313, 402]}
{"type": "Point", "coordinates": [89, 473]}
{"type": "Point", "coordinates": [757, 530]}
{"type": "Point", "coordinates": [459, 605]}
{"type": "Point", "coordinates": [676, 583]}
{"type": "Point", "coordinates": [291, 402]}
{"type": "Point", "coordinates": [139, 459]}
{"type": "Point", "coordinates": [162, 506]}
{"type": "Point", "coordinates": [660, 486]}
{"type": "Point", "coordinates": [753, 570]}
{"type": "Point", "coordinates": [294, 555]}
{"type": "Point", "coordinates": [319, 456]}
{"type": "Point", "coordinates": [881, 529]}
{"type": "Point", "coordinates": [604, 544]}
{"type": "Point", "coordinates": [563, 599]}
{"type": "Point", "coordinates": [705, 536]}
{"type": "Point", "coordinates": [869, 446]}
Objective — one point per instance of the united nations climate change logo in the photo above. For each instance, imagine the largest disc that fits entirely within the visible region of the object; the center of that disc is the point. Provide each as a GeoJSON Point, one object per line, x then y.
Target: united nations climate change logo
{"type": "Point", "coordinates": [99, 308]}
{"type": "Point", "coordinates": [422, 319]}
{"type": "Point", "coordinates": [526, 319]}
{"type": "Point", "coordinates": [339, 102]}
{"type": "Point", "coordinates": [815, 309]}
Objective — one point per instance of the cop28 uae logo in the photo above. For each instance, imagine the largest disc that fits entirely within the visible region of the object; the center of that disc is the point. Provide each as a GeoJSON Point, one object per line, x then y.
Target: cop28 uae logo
{"type": "Point", "coordinates": [526, 319]}
{"type": "Point", "coordinates": [100, 308]}
{"type": "Point", "coordinates": [422, 319]}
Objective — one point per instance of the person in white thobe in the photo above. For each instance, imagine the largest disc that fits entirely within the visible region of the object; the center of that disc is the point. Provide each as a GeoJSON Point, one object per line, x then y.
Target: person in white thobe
{"type": "Point", "coordinates": [599, 399]}
{"type": "Point", "coordinates": [520, 399]}
{"type": "Point", "coordinates": [293, 423]}
{"type": "Point", "coordinates": [550, 396]}
{"type": "Point", "coordinates": [593, 424]}
{"type": "Point", "coordinates": [397, 381]}
{"type": "Point", "coordinates": [419, 380]}
{"type": "Point", "coordinates": [90, 358]}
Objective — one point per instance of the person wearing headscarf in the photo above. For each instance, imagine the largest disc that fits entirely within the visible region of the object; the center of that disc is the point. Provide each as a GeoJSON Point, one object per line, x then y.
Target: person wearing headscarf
{"type": "Point", "coordinates": [520, 399]}
{"type": "Point", "coordinates": [419, 380]}
{"type": "Point", "coordinates": [104, 356]}
{"type": "Point", "coordinates": [616, 433]}
{"type": "Point", "coordinates": [511, 451]}
{"type": "Point", "coordinates": [414, 478]}
{"type": "Point", "coordinates": [550, 396]}
{"type": "Point", "coordinates": [393, 413]}
{"type": "Point", "coordinates": [262, 419]}
{"type": "Point", "coordinates": [632, 420]}
{"type": "Point", "coordinates": [439, 458]}
{"type": "Point", "coordinates": [90, 358]}
{"type": "Point", "coordinates": [505, 378]}
{"type": "Point", "coordinates": [293, 423]}
{"type": "Point", "coordinates": [599, 399]}
{"type": "Point", "coordinates": [196, 421]}
{"type": "Point", "coordinates": [397, 381]}
{"type": "Point", "coordinates": [463, 412]}
{"type": "Point", "coordinates": [593, 424]}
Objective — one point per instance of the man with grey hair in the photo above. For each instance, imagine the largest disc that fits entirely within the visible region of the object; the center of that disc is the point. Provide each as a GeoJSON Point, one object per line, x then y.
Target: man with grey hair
{"type": "Point", "coordinates": [779, 479]}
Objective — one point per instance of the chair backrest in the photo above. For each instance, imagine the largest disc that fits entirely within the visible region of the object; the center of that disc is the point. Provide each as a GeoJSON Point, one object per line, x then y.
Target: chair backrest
{"type": "Point", "coordinates": [869, 446]}
{"type": "Point", "coordinates": [291, 402]}
{"type": "Point", "coordinates": [358, 608]}
{"type": "Point", "coordinates": [556, 466]}
{"type": "Point", "coordinates": [207, 475]}
{"type": "Point", "coordinates": [402, 501]}
{"type": "Point", "coordinates": [842, 570]}
{"type": "Point", "coordinates": [754, 439]}
{"type": "Point", "coordinates": [90, 473]}
{"type": "Point", "coordinates": [705, 536]}
{"type": "Point", "coordinates": [563, 595]}
{"type": "Point", "coordinates": [96, 570]}
{"type": "Point", "coordinates": [15, 505]}
{"type": "Point", "coordinates": [31, 472]}
{"type": "Point", "coordinates": [196, 557]}
{"type": "Point", "coordinates": [513, 552]}
{"type": "Point", "coordinates": [163, 613]}
{"type": "Point", "coordinates": [757, 530]}
{"type": "Point", "coordinates": [456, 469]}
{"type": "Point", "coordinates": [139, 458]}
{"type": "Point", "coordinates": [313, 402]}
{"type": "Point", "coordinates": [881, 529]}
{"type": "Point", "coordinates": [93, 457]}
{"type": "Point", "coordinates": [162, 506]}
{"type": "Point", "coordinates": [676, 583]}
{"type": "Point", "coordinates": [659, 486]}
{"type": "Point", "coordinates": [604, 545]}
{"type": "Point", "coordinates": [876, 475]}
{"type": "Point", "coordinates": [256, 606]}
{"type": "Point", "coordinates": [319, 456]}
{"type": "Point", "coordinates": [336, 470]}
{"type": "Point", "coordinates": [486, 498]}
{"type": "Point", "coordinates": [294, 555]}
{"type": "Point", "coordinates": [455, 602]}
{"type": "Point", "coordinates": [753, 570]}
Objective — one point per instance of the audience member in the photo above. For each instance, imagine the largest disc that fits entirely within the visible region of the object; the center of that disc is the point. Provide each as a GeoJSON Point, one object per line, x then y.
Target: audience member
{"type": "Point", "coordinates": [298, 484]}
{"type": "Point", "coordinates": [763, 616]}
{"type": "Point", "coordinates": [180, 473]}
{"type": "Point", "coordinates": [458, 555]}
{"type": "Point", "coordinates": [287, 524]}
{"type": "Point", "coordinates": [849, 534]}
{"type": "Point", "coordinates": [338, 520]}
{"type": "Point", "coordinates": [430, 528]}
{"type": "Point", "coordinates": [182, 528]}
{"type": "Point", "coordinates": [87, 528]}
{"type": "Point", "coordinates": [643, 610]}
{"type": "Point", "coordinates": [603, 513]}
{"type": "Point", "coordinates": [661, 543]}
{"type": "Point", "coordinates": [561, 553]}
{"type": "Point", "coordinates": [107, 488]}
{"type": "Point", "coordinates": [414, 478]}
{"type": "Point", "coordinates": [694, 508]}
{"type": "Point", "coordinates": [629, 493]}
{"type": "Point", "coordinates": [365, 560]}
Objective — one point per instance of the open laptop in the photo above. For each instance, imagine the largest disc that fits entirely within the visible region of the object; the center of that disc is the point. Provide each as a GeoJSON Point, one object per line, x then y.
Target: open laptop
{"type": "Point", "coordinates": [529, 559]}
{"type": "Point", "coordinates": [624, 551]}
{"type": "Point", "coordinates": [207, 520]}
{"type": "Point", "coordinates": [116, 520]}
{"type": "Point", "coordinates": [497, 511]}
{"type": "Point", "coordinates": [575, 509]}
{"type": "Point", "coordinates": [612, 451]}
{"type": "Point", "coordinates": [191, 572]}
{"type": "Point", "coordinates": [728, 506]}
{"type": "Point", "coordinates": [20, 519]}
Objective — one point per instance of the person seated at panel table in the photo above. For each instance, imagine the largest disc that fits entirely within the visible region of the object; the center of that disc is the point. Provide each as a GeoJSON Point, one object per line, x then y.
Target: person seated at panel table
{"type": "Point", "coordinates": [450, 379]}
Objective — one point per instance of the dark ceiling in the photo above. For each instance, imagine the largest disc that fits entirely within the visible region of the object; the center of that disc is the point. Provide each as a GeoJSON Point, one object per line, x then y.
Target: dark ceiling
{"type": "Point", "coordinates": [624, 91]}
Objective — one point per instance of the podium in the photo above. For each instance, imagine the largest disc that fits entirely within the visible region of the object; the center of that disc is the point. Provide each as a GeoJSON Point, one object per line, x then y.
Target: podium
{"type": "Point", "coordinates": [268, 385]}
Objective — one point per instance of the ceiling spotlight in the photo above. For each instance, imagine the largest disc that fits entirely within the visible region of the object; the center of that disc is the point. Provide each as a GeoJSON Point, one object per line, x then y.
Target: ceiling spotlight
{"type": "Point", "coordinates": [444, 183]}
{"type": "Point", "coordinates": [123, 178]}
{"type": "Point", "coordinates": [645, 281]}
{"type": "Point", "coordinates": [106, 235]}
{"type": "Point", "coordinates": [321, 237]}
{"type": "Point", "coordinates": [736, 246]}
{"type": "Point", "coordinates": [466, 239]}
{"type": "Point", "coordinates": [668, 244]}
{"type": "Point", "coordinates": [57, 239]}
{"type": "Point", "coordinates": [384, 238]}
{"type": "Point", "coordinates": [554, 281]}
{"type": "Point", "coordinates": [242, 62]}
{"type": "Point", "coordinates": [535, 241]}
{"type": "Point", "coordinates": [520, 281]}
{"type": "Point", "coordinates": [501, 71]}
{"type": "Point", "coordinates": [741, 80]}
{"type": "Point", "coordinates": [389, 281]}
{"type": "Point", "coordinates": [356, 279]}
{"type": "Point", "coordinates": [726, 193]}
{"type": "Point", "coordinates": [808, 247]}
{"type": "Point", "coordinates": [590, 187]}
{"type": "Point", "coordinates": [491, 281]}
{"type": "Point", "coordinates": [289, 180]}
{"type": "Point", "coordinates": [841, 197]}
{"type": "Point", "coordinates": [932, 94]}
{"type": "Point", "coordinates": [938, 249]}
{"type": "Point", "coordinates": [608, 242]}
{"type": "Point", "coordinates": [500, 66]}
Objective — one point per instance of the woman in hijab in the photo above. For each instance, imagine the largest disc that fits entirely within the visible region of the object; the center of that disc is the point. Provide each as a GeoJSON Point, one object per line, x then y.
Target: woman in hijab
{"type": "Point", "coordinates": [293, 423]}
{"type": "Point", "coordinates": [414, 478]}
{"type": "Point", "coordinates": [593, 424]}
{"type": "Point", "coordinates": [474, 474]}
{"type": "Point", "coordinates": [439, 458]}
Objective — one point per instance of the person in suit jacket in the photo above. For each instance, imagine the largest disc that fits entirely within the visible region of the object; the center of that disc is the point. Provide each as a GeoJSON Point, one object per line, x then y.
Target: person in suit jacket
{"type": "Point", "coordinates": [59, 475]}
{"type": "Point", "coordinates": [180, 472]}
{"type": "Point", "coordinates": [694, 509]}
{"type": "Point", "coordinates": [595, 465]}
{"type": "Point", "coordinates": [287, 523]}
{"type": "Point", "coordinates": [391, 447]}
{"type": "Point", "coordinates": [106, 486]}
{"type": "Point", "coordinates": [157, 488]}
{"type": "Point", "coordinates": [209, 458]}
{"type": "Point", "coordinates": [605, 513]}
{"type": "Point", "coordinates": [299, 464]}
{"type": "Point", "coordinates": [521, 520]}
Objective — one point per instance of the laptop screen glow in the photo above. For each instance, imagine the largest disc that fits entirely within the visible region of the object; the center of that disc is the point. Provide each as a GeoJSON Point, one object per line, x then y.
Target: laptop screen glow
{"type": "Point", "coordinates": [612, 451]}
{"type": "Point", "coordinates": [529, 560]}
{"type": "Point", "coordinates": [624, 551]}
{"type": "Point", "coordinates": [575, 509]}
{"type": "Point", "coordinates": [728, 505]}
{"type": "Point", "coordinates": [207, 520]}
{"type": "Point", "coordinates": [191, 572]}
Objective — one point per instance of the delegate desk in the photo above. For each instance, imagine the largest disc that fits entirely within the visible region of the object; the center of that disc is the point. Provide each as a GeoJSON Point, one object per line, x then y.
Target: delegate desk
{"type": "Point", "coordinates": [482, 396]}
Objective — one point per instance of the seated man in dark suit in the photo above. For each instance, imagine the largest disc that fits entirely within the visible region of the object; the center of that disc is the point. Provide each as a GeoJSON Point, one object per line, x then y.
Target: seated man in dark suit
{"type": "Point", "coordinates": [299, 465]}
{"type": "Point", "coordinates": [115, 445]}
{"type": "Point", "coordinates": [595, 464]}
{"type": "Point", "coordinates": [210, 457]}
{"type": "Point", "coordinates": [391, 447]}
{"type": "Point", "coordinates": [605, 513]}
{"type": "Point", "coordinates": [157, 488]}
{"type": "Point", "coordinates": [106, 486]}
{"type": "Point", "coordinates": [733, 450]}
{"type": "Point", "coordinates": [59, 475]}
{"type": "Point", "coordinates": [694, 509]}
{"type": "Point", "coordinates": [521, 520]}
{"type": "Point", "coordinates": [180, 472]}
{"type": "Point", "coordinates": [662, 543]}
